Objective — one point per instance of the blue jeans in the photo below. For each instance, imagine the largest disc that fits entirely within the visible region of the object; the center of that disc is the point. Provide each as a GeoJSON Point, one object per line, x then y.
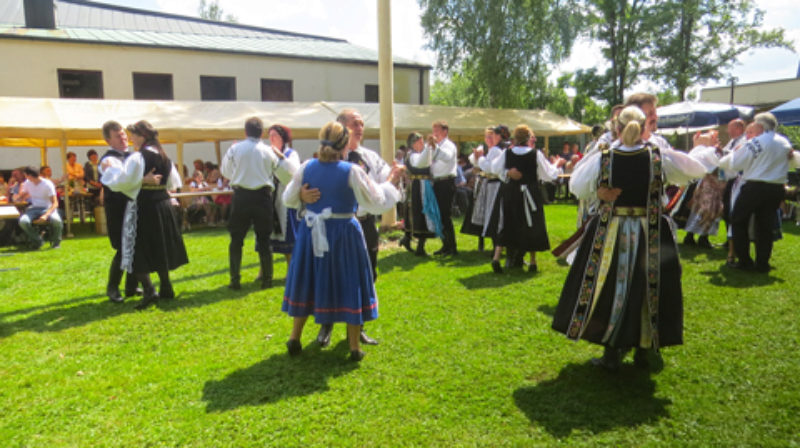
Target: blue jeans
{"type": "Point", "coordinates": [54, 222]}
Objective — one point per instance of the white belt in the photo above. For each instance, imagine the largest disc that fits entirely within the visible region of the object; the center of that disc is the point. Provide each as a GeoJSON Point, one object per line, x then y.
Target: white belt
{"type": "Point", "coordinates": [319, 236]}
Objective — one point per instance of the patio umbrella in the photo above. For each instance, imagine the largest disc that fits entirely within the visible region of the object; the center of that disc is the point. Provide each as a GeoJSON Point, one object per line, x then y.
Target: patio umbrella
{"type": "Point", "coordinates": [788, 114]}
{"type": "Point", "coordinates": [689, 114]}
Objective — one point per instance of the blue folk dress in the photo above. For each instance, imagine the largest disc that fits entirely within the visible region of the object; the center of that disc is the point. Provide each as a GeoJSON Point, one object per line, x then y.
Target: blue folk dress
{"type": "Point", "coordinates": [335, 285]}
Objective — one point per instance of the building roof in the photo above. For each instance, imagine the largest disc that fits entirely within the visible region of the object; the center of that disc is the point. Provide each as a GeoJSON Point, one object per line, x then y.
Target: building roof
{"type": "Point", "coordinates": [89, 22]}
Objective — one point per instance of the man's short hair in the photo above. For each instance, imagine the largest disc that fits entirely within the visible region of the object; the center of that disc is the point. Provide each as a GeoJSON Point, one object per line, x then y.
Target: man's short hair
{"type": "Point", "coordinates": [441, 124]}
{"type": "Point", "coordinates": [737, 122]}
{"type": "Point", "coordinates": [31, 171]}
{"type": "Point", "coordinates": [109, 127]}
{"type": "Point", "coordinates": [91, 153]}
{"type": "Point", "coordinates": [767, 121]}
{"type": "Point", "coordinates": [345, 115]}
{"type": "Point", "coordinates": [254, 127]}
{"type": "Point", "coordinates": [640, 99]}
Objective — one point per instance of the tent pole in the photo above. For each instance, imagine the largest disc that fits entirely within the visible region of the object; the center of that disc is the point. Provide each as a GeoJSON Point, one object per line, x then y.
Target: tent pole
{"type": "Point", "coordinates": [67, 192]}
{"type": "Point", "coordinates": [386, 91]}
{"type": "Point", "coordinates": [218, 151]}
{"type": "Point", "coordinates": [179, 148]}
{"type": "Point", "coordinates": [43, 153]}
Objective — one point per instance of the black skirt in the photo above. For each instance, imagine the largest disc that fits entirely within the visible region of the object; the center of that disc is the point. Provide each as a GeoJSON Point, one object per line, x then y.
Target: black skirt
{"type": "Point", "coordinates": [159, 244]}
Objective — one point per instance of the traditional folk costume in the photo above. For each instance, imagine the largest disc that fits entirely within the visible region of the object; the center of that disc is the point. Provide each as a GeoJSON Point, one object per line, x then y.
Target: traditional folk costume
{"type": "Point", "coordinates": [706, 204]}
{"type": "Point", "coordinates": [422, 218]}
{"type": "Point", "coordinates": [330, 275]}
{"type": "Point", "coordinates": [624, 287]}
{"type": "Point", "coordinates": [151, 236]}
{"type": "Point", "coordinates": [523, 225]}
{"type": "Point", "coordinates": [285, 224]}
{"type": "Point", "coordinates": [479, 222]}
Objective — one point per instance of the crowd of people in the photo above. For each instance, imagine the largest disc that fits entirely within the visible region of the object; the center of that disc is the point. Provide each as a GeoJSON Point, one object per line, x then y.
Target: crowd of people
{"type": "Point", "coordinates": [623, 290]}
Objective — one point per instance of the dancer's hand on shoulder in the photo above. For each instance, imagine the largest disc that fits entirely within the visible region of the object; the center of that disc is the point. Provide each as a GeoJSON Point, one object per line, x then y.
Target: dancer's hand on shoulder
{"type": "Point", "coordinates": [309, 195]}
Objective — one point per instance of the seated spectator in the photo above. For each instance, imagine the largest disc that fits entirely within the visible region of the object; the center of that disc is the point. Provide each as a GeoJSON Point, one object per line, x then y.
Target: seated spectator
{"type": "Point", "coordinates": [3, 188]}
{"type": "Point", "coordinates": [14, 185]}
{"type": "Point", "coordinates": [43, 209]}
{"type": "Point", "coordinates": [201, 206]}
{"type": "Point", "coordinates": [75, 173]}
{"type": "Point", "coordinates": [212, 174]}
{"type": "Point", "coordinates": [200, 167]}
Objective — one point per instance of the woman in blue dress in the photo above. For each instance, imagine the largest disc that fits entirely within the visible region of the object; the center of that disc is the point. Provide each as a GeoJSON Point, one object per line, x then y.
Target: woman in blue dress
{"type": "Point", "coordinates": [330, 276]}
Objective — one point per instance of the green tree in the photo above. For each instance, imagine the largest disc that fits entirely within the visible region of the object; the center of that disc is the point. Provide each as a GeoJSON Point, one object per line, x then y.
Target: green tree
{"type": "Point", "coordinates": [502, 50]}
{"type": "Point", "coordinates": [212, 11]}
{"type": "Point", "coordinates": [700, 40]}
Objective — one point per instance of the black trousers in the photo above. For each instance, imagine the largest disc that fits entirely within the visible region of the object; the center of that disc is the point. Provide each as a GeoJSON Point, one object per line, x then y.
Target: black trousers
{"type": "Point", "coordinates": [250, 207]}
{"type": "Point", "coordinates": [114, 208]}
{"type": "Point", "coordinates": [372, 239]}
{"type": "Point", "coordinates": [759, 199]}
{"type": "Point", "coordinates": [445, 190]}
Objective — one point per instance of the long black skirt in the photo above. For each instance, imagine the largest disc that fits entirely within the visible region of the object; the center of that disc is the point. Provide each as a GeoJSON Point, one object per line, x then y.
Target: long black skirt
{"type": "Point", "coordinates": [670, 305]}
{"type": "Point", "coordinates": [415, 221]}
{"type": "Point", "coordinates": [159, 244]}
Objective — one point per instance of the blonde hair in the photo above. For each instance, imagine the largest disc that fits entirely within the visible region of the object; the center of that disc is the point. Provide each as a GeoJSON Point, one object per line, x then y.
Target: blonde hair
{"type": "Point", "coordinates": [333, 137]}
{"type": "Point", "coordinates": [522, 134]}
{"type": "Point", "coordinates": [631, 121]}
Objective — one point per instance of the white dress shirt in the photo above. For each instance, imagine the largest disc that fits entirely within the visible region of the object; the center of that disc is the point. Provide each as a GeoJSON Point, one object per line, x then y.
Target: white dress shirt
{"type": "Point", "coordinates": [250, 164]}
{"type": "Point", "coordinates": [444, 159]}
{"type": "Point", "coordinates": [766, 158]}
{"type": "Point", "coordinates": [126, 176]}
{"type": "Point", "coordinates": [545, 170]}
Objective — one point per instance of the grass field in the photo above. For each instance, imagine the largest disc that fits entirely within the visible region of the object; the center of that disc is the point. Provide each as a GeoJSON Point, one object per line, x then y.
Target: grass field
{"type": "Point", "coordinates": [467, 358]}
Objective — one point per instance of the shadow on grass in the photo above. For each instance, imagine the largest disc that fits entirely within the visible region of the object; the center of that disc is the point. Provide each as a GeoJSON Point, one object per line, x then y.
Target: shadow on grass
{"type": "Point", "coordinates": [279, 377]}
{"type": "Point", "coordinates": [736, 278]}
{"type": "Point", "coordinates": [790, 227]}
{"type": "Point", "coordinates": [691, 253]}
{"type": "Point", "coordinates": [491, 280]}
{"type": "Point", "coordinates": [407, 261]}
{"type": "Point", "coordinates": [587, 398]}
{"type": "Point", "coordinates": [547, 310]}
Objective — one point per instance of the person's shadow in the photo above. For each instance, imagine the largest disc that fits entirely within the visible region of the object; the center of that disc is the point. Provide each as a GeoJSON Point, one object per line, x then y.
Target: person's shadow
{"type": "Point", "coordinates": [279, 377]}
{"type": "Point", "coordinates": [588, 398]}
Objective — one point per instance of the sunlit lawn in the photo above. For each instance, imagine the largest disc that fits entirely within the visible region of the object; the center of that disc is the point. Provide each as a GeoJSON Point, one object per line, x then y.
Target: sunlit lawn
{"type": "Point", "coordinates": [467, 357]}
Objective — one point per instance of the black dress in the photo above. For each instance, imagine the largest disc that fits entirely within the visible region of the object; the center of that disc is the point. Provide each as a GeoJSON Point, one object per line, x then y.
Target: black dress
{"type": "Point", "coordinates": [159, 244]}
{"type": "Point", "coordinates": [416, 224]}
{"type": "Point", "coordinates": [523, 222]}
{"type": "Point", "coordinates": [636, 267]}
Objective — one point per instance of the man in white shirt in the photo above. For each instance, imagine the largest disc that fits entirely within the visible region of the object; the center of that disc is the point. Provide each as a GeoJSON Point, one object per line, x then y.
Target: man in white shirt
{"type": "Point", "coordinates": [443, 170]}
{"type": "Point", "coordinates": [43, 209]}
{"type": "Point", "coordinates": [764, 161]}
{"type": "Point", "coordinates": [250, 165]}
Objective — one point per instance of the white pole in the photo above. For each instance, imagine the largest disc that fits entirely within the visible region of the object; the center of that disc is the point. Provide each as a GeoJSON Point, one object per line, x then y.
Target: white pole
{"type": "Point", "coordinates": [386, 89]}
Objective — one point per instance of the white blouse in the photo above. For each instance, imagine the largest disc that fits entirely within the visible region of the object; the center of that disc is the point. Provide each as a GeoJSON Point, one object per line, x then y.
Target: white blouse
{"type": "Point", "coordinates": [126, 176]}
{"type": "Point", "coordinates": [372, 197]}
{"type": "Point", "coordinates": [678, 168]}
{"type": "Point", "coordinates": [545, 170]}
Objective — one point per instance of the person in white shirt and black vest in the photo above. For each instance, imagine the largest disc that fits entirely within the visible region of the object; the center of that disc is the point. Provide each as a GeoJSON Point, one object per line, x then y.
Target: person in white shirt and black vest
{"type": "Point", "coordinates": [764, 161]}
{"type": "Point", "coordinates": [250, 166]}
{"type": "Point", "coordinates": [443, 169]}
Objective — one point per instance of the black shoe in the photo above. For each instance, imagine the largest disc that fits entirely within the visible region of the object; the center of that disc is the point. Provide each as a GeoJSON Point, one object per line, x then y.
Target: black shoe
{"type": "Point", "coordinates": [294, 347]}
{"type": "Point", "coordinates": [532, 268]}
{"type": "Point", "coordinates": [266, 283]}
{"type": "Point", "coordinates": [441, 251]}
{"type": "Point", "coordinates": [611, 360]}
{"type": "Point", "coordinates": [356, 355]}
{"type": "Point", "coordinates": [406, 242]}
{"type": "Point", "coordinates": [762, 268]}
{"type": "Point", "coordinates": [420, 252]}
{"type": "Point", "coordinates": [324, 335]}
{"type": "Point", "coordinates": [688, 240]}
{"type": "Point", "coordinates": [114, 295]}
{"type": "Point", "coordinates": [742, 265]}
{"type": "Point", "coordinates": [166, 293]}
{"type": "Point", "coordinates": [135, 292]}
{"type": "Point", "coordinates": [366, 339]}
{"type": "Point", "coordinates": [147, 301]}
{"type": "Point", "coordinates": [647, 358]}
{"type": "Point", "coordinates": [704, 243]}
{"type": "Point", "coordinates": [496, 267]}
{"type": "Point", "coordinates": [234, 285]}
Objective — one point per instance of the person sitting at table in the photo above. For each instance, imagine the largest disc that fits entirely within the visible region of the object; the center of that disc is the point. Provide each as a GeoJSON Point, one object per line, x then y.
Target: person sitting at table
{"type": "Point", "coordinates": [201, 203]}
{"type": "Point", "coordinates": [91, 175]}
{"type": "Point", "coordinates": [43, 209]}
{"type": "Point", "coordinates": [74, 171]}
{"type": "Point", "coordinates": [3, 187]}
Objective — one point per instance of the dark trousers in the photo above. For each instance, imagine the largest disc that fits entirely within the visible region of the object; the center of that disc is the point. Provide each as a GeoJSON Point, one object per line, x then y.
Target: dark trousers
{"type": "Point", "coordinates": [372, 239]}
{"type": "Point", "coordinates": [759, 199]}
{"type": "Point", "coordinates": [114, 208]}
{"type": "Point", "coordinates": [250, 207]}
{"type": "Point", "coordinates": [445, 190]}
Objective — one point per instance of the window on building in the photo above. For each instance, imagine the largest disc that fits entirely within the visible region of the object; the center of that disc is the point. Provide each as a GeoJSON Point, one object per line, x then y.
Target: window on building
{"type": "Point", "coordinates": [80, 83]}
{"type": "Point", "coordinates": [370, 93]}
{"type": "Point", "coordinates": [152, 86]}
{"type": "Point", "coordinates": [217, 88]}
{"type": "Point", "coordinates": [276, 90]}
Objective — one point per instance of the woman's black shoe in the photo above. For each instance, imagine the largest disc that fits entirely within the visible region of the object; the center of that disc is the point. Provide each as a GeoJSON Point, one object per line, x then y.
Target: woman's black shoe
{"type": "Point", "coordinates": [496, 267]}
{"type": "Point", "coordinates": [406, 242]}
{"type": "Point", "coordinates": [147, 300]}
{"type": "Point", "coordinates": [294, 347]}
{"type": "Point", "coordinates": [356, 355]}
{"type": "Point", "coordinates": [532, 268]}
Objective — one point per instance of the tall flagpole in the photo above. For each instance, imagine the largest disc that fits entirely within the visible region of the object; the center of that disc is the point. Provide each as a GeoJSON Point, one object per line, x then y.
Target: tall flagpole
{"type": "Point", "coordinates": [386, 89]}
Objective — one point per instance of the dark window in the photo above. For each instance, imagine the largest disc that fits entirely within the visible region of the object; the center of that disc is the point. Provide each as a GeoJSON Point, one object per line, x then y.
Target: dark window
{"type": "Point", "coordinates": [80, 83]}
{"type": "Point", "coordinates": [152, 86]}
{"type": "Point", "coordinates": [370, 93]}
{"type": "Point", "coordinates": [217, 88]}
{"type": "Point", "coordinates": [276, 90]}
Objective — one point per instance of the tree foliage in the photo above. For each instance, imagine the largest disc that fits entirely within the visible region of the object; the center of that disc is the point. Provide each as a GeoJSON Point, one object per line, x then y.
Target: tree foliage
{"type": "Point", "coordinates": [503, 49]}
{"type": "Point", "coordinates": [210, 10]}
{"type": "Point", "coordinates": [699, 40]}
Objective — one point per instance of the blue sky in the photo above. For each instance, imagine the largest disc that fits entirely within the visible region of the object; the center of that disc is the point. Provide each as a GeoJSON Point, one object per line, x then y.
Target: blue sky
{"type": "Point", "coordinates": [355, 20]}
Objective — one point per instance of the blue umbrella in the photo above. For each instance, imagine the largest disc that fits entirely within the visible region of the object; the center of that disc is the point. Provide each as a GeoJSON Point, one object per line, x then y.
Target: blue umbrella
{"type": "Point", "coordinates": [788, 114]}
{"type": "Point", "coordinates": [688, 114]}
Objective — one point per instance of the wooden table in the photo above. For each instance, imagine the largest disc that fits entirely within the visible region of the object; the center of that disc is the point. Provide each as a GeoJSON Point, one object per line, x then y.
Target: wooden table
{"type": "Point", "coordinates": [9, 211]}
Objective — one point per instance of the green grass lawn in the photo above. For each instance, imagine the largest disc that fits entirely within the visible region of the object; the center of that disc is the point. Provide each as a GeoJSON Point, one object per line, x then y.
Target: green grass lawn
{"type": "Point", "coordinates": [467, 358]}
